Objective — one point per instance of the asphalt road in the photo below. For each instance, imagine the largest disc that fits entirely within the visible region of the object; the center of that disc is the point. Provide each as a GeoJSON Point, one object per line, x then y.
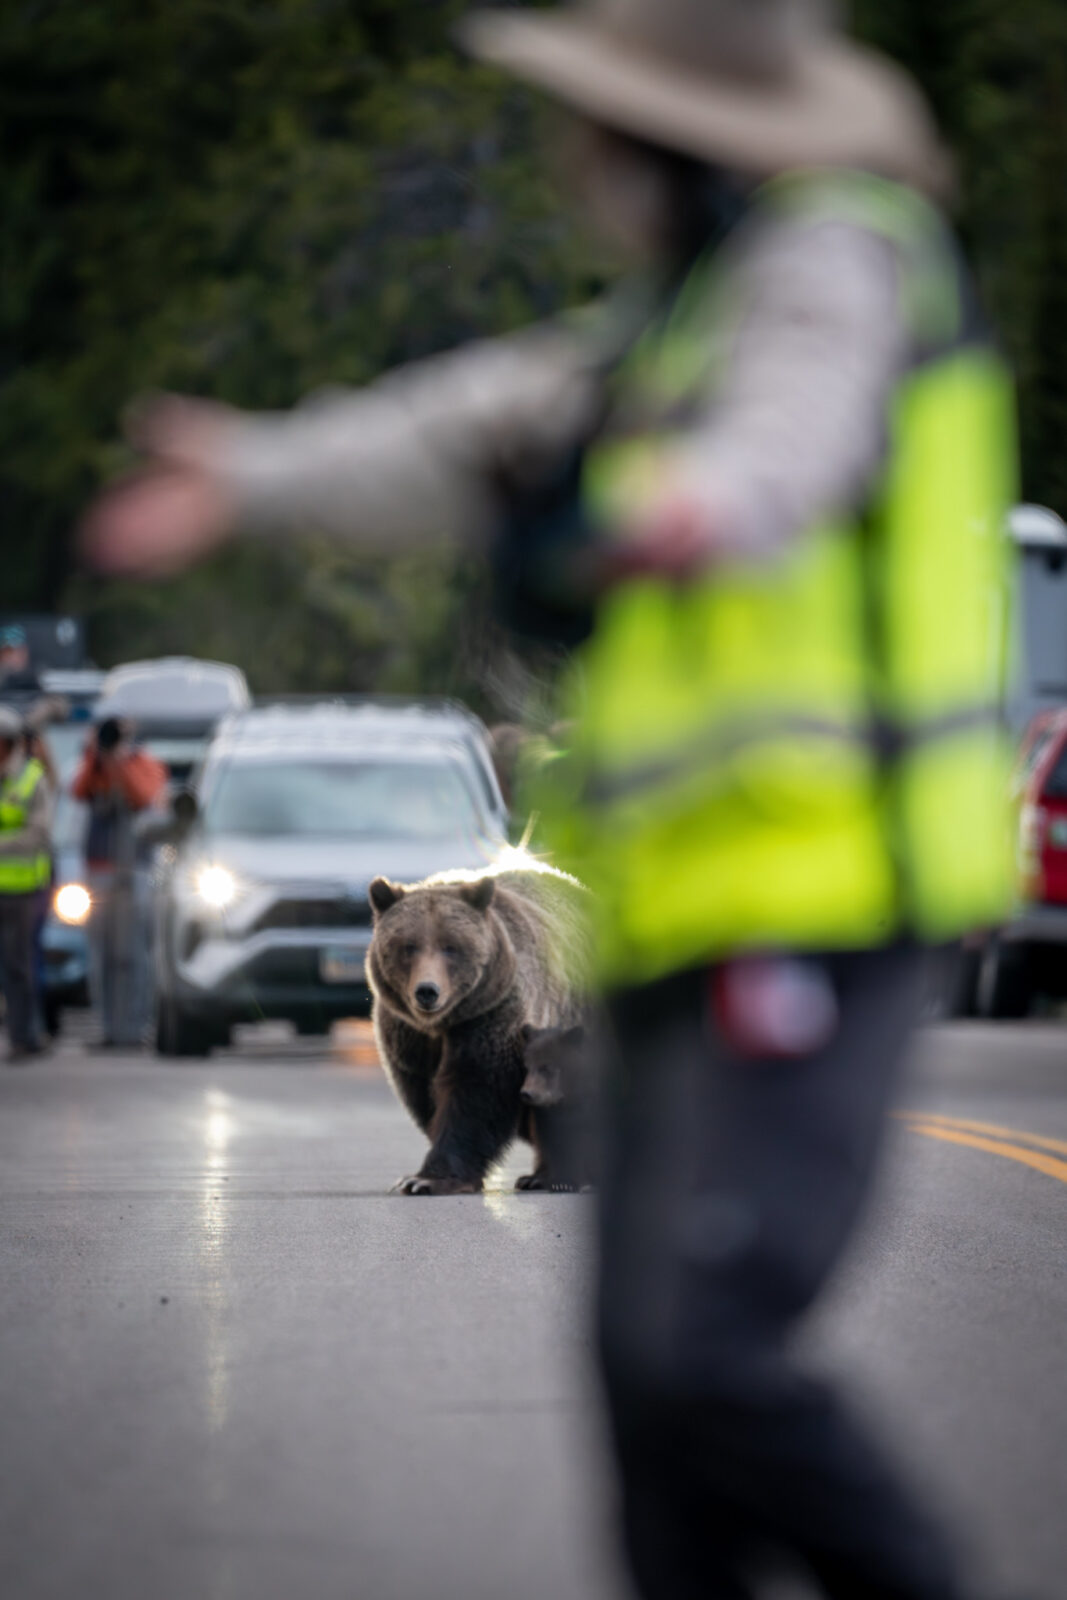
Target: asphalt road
{"type": "Point", "coordinates": [233, 1368]}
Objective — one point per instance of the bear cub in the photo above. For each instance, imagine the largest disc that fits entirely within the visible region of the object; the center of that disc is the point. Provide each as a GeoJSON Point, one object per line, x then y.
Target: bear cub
{"type": "Point", "coordinates": [557, 1108]}
{"type": "Point", "coordinates": [457, 968]}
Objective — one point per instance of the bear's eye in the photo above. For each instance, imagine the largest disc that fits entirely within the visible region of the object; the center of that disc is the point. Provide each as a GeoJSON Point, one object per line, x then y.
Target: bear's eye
{"type": "Point", "coordinates": [408, 950]}
{"type": "Point", "coordinates": [448, 950]}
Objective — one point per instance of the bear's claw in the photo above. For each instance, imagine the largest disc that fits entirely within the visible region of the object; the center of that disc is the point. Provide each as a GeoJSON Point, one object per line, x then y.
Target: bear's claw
{"type": "Point", "coordinates": [530, 1180]}
{"type": "Point", "coordinates": [417, 1184]}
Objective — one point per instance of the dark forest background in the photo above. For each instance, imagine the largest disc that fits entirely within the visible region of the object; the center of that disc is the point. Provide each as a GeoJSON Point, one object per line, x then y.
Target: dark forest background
{"type": "Point", "coordinates": [253, 198]}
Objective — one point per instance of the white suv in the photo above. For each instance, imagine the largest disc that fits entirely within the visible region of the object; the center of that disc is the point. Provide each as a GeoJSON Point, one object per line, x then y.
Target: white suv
{"type": "Point", "coordinates": [263, 910]}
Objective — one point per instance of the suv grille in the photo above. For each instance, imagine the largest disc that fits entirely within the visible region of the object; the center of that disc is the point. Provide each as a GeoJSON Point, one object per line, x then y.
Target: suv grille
{"type": "Point", "coordinates": [335, 913]}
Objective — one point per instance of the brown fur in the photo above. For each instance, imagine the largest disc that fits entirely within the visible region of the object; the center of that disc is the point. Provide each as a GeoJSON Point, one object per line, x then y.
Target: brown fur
{"type": "Point", "coordinates": [557, 1096]}
{"type": "Point", "coordinates": [458, 966]}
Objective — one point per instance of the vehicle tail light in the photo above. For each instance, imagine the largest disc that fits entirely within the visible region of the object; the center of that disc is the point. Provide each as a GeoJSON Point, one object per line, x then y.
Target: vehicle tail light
{"type": "Point", "coordinates": [1032, 820]}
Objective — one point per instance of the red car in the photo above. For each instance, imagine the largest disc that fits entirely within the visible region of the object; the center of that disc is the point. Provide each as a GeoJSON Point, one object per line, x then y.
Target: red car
{"type": "Point", "coordinates": [1027, 957]}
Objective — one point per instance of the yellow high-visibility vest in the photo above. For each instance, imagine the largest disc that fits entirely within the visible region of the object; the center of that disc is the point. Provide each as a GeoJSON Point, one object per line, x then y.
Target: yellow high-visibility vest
{"type": "Point", "coordinates": [806, 752]}
{"type": "Point", "coordinates": [21, 874]}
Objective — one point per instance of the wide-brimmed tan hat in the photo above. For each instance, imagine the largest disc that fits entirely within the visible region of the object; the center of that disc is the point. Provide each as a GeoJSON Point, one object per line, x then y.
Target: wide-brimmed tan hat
{"type": "Point", "coordinates": [764, 86]}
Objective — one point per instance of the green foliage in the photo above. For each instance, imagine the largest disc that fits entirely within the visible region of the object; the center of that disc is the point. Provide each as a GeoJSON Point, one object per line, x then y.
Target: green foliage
{"type": "Point", "coordinates": [249, 199]}
{"type": "Point", "coordinates": [996, 71]}
{"type": "Point", "coordinates": [253, 198]}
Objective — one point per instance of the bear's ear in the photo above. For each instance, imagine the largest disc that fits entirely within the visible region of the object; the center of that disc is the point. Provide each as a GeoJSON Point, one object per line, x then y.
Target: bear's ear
{"type": "Point", "coordinates": [574, 1036]}
{"type": "Point", "coordinates": [383, 894]}
{"type": "Point", "coordinates": [480, 894]}
{"type": "Point", "coordinates": [528, 1033]}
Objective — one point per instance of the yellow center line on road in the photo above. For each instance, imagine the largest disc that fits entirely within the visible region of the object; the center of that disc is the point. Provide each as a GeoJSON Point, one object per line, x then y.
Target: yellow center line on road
{"type": "Point", "coordinates": [1049, 1165]}
{"type": "Point", "coordinates": [1015, 1135]}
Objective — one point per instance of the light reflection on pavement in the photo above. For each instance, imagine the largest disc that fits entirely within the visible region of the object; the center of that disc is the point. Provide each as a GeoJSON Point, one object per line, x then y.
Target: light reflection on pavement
{"type": "Point", "coordinates": [232, 1366]}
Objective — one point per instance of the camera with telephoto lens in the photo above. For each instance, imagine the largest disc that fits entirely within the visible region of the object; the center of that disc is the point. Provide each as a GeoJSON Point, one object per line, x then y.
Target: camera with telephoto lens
{"type": "Point", "coordinates": [109, 735]}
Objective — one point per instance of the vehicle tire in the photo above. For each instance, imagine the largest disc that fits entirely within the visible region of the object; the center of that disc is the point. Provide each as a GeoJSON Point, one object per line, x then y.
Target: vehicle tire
{"type": "Point", "coordinates": [1005, 988]}
{"type": "Point", "coordinates": [52, 1007]}
{"type": "Point", "coordinates": [177, 1033]}
{"type": "Point", "coordinates": [311, 1028]}
{"type": "Point", "coordinates": [962, 979]}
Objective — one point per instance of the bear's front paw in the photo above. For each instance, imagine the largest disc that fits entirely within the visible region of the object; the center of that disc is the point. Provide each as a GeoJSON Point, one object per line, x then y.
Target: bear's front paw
{"type": "Point", "coordinates": [530, 1180]}
{"type": "Point", "coordinates": [420, 1185]}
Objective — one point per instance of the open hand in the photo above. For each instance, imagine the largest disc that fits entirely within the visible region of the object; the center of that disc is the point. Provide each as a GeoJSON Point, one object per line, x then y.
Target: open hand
{"type": "Point", "coordinates": [178, 508]}
{"type": "Point", "coordinates": [674, 539]}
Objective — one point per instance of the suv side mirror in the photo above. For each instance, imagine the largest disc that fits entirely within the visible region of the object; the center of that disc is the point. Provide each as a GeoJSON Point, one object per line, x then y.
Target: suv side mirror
{"type": "Point", "coordinates": [185, 810]}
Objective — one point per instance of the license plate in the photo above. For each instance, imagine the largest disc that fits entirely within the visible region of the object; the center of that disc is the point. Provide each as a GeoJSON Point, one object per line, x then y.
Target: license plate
{"type": "Point", "coordinates": [338, 965]}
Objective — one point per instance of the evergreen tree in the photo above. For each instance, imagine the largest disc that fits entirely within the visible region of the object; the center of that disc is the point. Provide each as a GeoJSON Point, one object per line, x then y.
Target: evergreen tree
{"type": "Point", "coordinates": [252, 198]}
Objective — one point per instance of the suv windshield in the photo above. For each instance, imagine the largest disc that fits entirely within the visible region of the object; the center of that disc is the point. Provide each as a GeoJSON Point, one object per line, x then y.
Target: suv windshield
{"type": "Point", "coordinates": [334, 799]}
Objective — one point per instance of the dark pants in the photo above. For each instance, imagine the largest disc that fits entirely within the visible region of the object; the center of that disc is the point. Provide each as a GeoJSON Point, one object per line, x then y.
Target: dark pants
{"type": "Point", "coordinates": [17, 929]}
{"type": "Point", "coordinates": [119, 954]}
{"type": "Point", "coordinates": [42, 901]}
{"type": "Point", "coordinates": [731, 1187]}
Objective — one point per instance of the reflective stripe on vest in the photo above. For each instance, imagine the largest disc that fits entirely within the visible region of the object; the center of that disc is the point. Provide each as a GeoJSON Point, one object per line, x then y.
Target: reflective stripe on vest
{"type": "Point", "coordinates": [21, 874]}
{"type": "Point", "coordinates": [805, 752]}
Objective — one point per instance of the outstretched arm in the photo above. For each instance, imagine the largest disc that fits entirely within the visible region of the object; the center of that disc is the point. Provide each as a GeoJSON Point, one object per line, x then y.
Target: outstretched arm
{"type": "Point", "coordinates": [405, 461]}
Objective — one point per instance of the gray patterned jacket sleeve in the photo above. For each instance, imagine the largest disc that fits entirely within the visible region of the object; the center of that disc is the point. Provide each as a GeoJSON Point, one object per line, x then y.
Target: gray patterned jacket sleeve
{"type": "Point", "coordinates": [794, 427]}
{"type": "Point", "coordinates": [798, 428]}
{"type": "Point", "coordinates": [410, 458]}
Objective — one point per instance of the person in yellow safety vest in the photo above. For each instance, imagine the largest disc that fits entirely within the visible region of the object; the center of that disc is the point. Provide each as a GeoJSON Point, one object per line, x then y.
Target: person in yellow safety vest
{"type": "Point", "coordinates": [25, 868]}
{"type": "Point", "coordinates": [761, 494]}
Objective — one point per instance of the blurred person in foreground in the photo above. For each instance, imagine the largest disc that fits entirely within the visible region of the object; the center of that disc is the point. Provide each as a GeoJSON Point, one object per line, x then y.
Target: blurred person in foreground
{"type": "Point", "coordinates": [119, 783]}
{"type": "Point", "coordinates": [761, 495]}
{"type": "Point", "coordinates": [25, 870]}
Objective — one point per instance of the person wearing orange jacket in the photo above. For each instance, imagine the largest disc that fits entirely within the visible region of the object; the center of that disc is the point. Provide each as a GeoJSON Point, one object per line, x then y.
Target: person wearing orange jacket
{"type": "Point", "coordinates": [117, 781]}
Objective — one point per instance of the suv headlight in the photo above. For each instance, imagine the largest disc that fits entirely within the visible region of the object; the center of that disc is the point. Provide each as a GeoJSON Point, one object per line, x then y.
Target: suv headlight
{"type": "Point", "coordinates": [216, 886]}
{"type": "Point", "coordinates": [72, 904]}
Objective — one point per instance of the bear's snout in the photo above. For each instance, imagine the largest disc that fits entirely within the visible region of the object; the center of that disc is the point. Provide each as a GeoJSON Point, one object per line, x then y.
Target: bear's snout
{"type": "Point", "coordinates": [538, 1095]}
{"type": "Point", "coordinates": [427, 996]}
{"type": "Point", "coordinates": [429, 989]}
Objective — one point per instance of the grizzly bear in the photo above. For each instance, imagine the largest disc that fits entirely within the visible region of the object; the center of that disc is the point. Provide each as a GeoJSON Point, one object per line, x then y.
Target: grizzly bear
{"type": "Point", "coordinates": [457, 967]}
{"type": "Point", "coordinates": [557, 1096]}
